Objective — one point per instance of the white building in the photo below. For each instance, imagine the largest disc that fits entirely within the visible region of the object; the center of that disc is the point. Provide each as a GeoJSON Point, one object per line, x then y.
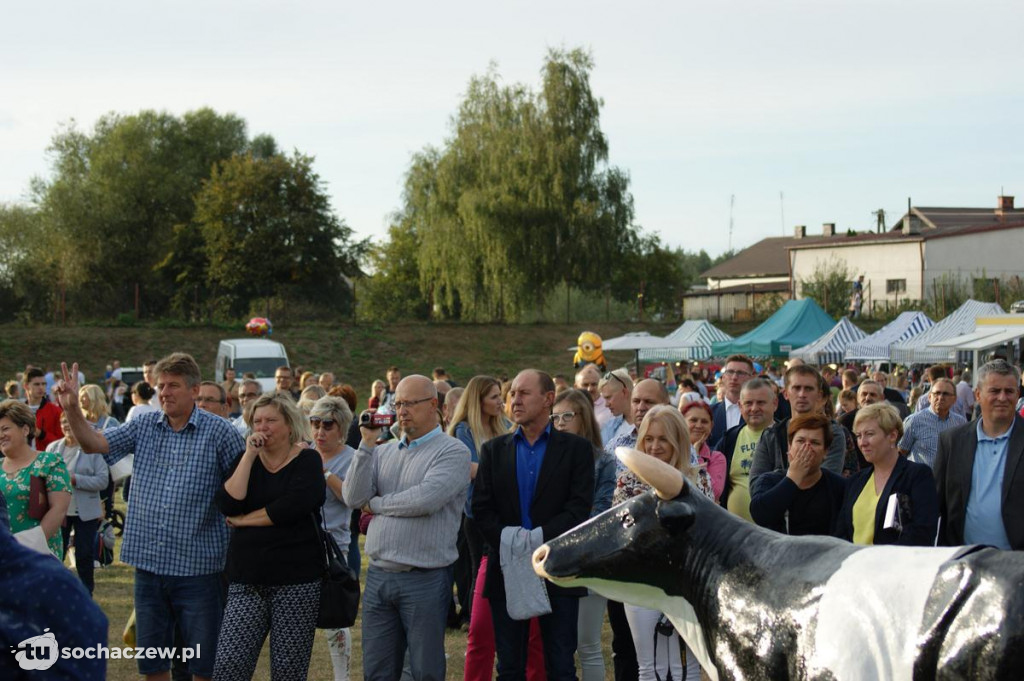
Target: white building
{"type": "Point", "coordinates": [925, 251]}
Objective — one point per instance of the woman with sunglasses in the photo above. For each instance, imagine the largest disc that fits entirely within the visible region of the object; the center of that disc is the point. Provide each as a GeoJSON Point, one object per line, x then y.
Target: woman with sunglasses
{"type": "Point", "coordinates": [329, 420]}
{"type": "Point", "coordinates": [574, 413]}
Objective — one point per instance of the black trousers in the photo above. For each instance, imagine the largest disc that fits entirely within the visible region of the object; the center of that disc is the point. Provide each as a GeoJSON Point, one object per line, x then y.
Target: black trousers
{"type": "Point", "coordinates": [85, 546]}
{"type": "Point", "coordinates": [623, 651]}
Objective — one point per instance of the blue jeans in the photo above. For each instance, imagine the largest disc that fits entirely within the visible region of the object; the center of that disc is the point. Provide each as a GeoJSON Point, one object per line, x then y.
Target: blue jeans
{"type": "Point", "coordinates": [558, 632]}
{"type": "Point", "coordinates": [405, 609]}
{"type": "Point", "coordinates": [196, 604]}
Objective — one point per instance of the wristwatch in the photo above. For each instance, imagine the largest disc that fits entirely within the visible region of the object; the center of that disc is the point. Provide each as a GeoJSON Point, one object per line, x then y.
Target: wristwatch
{"type": "Point", "coordinates": [327, 474]}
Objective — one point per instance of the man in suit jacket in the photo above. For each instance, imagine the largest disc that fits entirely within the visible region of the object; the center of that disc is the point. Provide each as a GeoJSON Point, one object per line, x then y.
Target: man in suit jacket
{"type": "Point", "coordinates": [726, 414]}
{"type": "Point", "coordinates": [977, 467]}
{"type": "Point", "coordinates": [536, 477]}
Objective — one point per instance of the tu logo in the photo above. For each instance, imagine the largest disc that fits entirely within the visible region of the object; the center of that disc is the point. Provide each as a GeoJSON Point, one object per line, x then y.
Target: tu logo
{"type": "Point", "coordinates": [37, 653]}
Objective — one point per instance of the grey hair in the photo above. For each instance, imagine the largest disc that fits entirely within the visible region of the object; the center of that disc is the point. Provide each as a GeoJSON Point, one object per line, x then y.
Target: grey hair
{"type": "Point", "coordinates": [757, 383]}
{"type": "Point", "coordinates": [336, 408]}
{"type": "Point", "coordinates": [999, 367]}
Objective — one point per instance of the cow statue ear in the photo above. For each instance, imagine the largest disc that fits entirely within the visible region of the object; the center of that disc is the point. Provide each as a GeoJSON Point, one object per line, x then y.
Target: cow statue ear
{"type": "Point", "coordinates": [676, 516]}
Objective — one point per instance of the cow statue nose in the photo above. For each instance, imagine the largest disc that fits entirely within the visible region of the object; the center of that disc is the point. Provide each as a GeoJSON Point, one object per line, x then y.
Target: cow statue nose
{"type": "Point", "coordinates": [539, 556]}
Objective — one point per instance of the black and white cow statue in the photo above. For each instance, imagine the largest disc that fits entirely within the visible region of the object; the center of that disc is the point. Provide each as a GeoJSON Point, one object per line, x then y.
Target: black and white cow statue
{"type": "Point", "coordinates": [755, 604]}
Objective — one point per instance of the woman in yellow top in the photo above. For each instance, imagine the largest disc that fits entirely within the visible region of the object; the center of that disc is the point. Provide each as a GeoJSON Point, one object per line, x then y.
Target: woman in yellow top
{"type": "Point", "coordinates": [893, 500]}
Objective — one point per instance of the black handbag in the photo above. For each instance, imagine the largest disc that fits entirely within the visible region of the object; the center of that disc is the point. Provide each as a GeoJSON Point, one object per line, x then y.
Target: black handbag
{"type": "Point", "coordinates": [339, 588]}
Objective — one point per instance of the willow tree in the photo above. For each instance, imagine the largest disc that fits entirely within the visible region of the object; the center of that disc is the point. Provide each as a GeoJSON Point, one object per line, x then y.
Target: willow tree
{"type": "Point", "coordinates": [520, 196]}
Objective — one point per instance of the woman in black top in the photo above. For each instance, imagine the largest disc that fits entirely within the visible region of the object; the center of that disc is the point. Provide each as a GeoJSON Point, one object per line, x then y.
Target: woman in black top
{"type": "Point", "coordinates": [272, 499]}
{"type": "Point", "coordinates": [805, 499]}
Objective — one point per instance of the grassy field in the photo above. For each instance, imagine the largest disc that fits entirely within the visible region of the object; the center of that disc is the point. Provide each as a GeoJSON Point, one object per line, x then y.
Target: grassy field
{"type": "Point", "coordinates": [357, 354]}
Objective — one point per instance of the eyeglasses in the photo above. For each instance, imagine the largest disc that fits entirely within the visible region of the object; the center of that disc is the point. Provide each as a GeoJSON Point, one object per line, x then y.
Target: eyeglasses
{"type": "Point", "coordinates": [735, 372]}
{"type": "Point", "coordinates": [213, 400]}
{"type": "Point", "coordinates": [326, 424]}
{"type": "Point", "coordinates": [563, 417]}
{"type": "Point", "coordinates": [942, 393]}
{"type": "Point", "coordinates": [409, 404]}
{"type": "Point", "coordinates": [611, 375]}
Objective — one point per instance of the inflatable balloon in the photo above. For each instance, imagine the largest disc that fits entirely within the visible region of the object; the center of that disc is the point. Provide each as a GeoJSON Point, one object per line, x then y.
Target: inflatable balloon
{"type": "Point", "coordinates": [259, 327]}
{"type": "Point", "coordinates": [589, 351]}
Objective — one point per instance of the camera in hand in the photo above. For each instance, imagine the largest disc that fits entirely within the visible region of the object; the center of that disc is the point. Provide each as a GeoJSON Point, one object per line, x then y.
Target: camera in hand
{"type": "Point", "coordinates": [376, 420]}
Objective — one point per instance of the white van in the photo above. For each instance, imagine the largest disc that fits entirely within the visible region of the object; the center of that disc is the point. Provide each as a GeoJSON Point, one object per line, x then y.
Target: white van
{"type": "Point", "coordinates": [257, 356]}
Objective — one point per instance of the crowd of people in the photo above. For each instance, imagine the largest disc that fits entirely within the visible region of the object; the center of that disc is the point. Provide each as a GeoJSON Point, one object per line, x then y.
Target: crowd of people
{"type": "Point", "coordinates": [233, 488]}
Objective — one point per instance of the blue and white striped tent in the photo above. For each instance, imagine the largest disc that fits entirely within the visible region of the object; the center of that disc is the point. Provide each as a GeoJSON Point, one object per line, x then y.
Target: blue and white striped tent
{"type": "Point", "coordinates": [875, 348]}
{"type": "Point", "coordinates": [691, 341]}
{"type": "Point", "coordinates": [830, 347]}
{"type": "Point", "coordinates": [959, 322]}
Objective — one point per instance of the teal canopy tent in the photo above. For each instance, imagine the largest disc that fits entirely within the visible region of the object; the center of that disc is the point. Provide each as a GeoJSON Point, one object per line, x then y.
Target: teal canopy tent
{"type": "Point", "coordinates": [796, 324]}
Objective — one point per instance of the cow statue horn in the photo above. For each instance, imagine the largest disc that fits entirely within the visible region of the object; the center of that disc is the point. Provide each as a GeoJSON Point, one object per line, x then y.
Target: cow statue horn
{"type": "Point", "coordinates": [666, 481]}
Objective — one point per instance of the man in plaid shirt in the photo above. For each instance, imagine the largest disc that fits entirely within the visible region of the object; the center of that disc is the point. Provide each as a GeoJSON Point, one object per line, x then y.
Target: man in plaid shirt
{"type": "Point", "coordinates": [174, 536]}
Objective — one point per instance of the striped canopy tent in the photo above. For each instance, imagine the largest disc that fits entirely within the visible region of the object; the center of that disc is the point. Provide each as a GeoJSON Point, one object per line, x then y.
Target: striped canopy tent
{"type": "Point", "coordinates": [794, 325]}
{"type": "Point", "coordinates": [960, 322]}
{"type": "Point", "coordinates": [875, 348]}
{"type": "Point", "coordinates": [692, 340]}
{"type": "Point", "coordinates": [830, 347]}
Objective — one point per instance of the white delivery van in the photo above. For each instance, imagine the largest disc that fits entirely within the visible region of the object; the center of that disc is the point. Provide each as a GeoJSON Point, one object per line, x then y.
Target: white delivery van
{"type": "Point", "coordinates": [257, 356]}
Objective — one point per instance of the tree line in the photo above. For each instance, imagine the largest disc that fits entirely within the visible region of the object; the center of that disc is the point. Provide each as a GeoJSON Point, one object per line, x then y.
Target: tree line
{"type": "Point", "coordinates": [169, 216]}
{"type": "Point", "coordinates": [189, 217]}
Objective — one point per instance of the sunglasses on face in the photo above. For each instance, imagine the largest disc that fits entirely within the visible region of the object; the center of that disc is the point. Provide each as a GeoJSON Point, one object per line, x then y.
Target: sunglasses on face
{"type": "Point", "coordinates": [326, 424]}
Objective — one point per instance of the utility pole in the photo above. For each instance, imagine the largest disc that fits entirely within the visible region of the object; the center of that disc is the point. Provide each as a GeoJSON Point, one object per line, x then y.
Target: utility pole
{"type": "Point", "coordinates": [732, 204]}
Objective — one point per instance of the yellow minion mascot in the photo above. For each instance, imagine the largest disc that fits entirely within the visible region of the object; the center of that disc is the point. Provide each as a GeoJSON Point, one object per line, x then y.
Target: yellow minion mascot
{"type": "Point", "coordinates": [588, 351]}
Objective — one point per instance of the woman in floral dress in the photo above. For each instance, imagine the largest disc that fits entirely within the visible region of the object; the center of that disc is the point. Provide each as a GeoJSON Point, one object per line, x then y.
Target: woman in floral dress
{"type": "Point", "coordinates": [21, 462]}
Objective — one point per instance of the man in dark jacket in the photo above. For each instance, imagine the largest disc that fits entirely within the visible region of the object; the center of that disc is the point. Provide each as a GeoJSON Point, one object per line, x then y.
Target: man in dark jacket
{"type": "Point", "coordinates": [535, 477]}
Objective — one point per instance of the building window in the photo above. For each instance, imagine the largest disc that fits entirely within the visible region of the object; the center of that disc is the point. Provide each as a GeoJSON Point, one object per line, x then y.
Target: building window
{"type": "Point", "coordinates": [895, 285]}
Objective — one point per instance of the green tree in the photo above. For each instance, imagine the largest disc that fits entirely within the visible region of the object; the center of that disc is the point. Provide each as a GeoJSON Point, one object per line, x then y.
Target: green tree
{"type": "Point", "coordinates": [115, 196]}
{"type": "Point", "coordinates": [830, 286]}
{"type": "Point", "coordinates": [519, 198]}
{"type": "Point", "coordinates": [269, 232]}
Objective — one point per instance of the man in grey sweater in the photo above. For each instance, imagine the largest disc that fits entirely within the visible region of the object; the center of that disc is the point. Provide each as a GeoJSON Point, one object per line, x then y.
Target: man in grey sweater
{"type": "Point", "coordinates": [416, 488]}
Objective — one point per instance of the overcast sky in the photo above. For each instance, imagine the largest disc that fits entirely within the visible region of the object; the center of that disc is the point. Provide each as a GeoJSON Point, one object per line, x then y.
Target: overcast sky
{"type": "Point", "coordinates": [843, 107]}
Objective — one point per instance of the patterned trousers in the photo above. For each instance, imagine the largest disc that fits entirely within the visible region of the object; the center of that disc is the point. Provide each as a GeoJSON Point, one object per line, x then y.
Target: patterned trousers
{"type": "Point", "coordinates": [288, 613]}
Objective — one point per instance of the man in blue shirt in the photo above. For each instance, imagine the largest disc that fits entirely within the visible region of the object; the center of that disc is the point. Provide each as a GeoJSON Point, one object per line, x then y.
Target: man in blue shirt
{"type": "Point", "coordinates": [977, 467]}
{"type": "Point", "coordinates": [535, 477]}
{"type": "Point", "coordinates": [174, 536]}
{"type": "Point", "coordinates": [921, 429]}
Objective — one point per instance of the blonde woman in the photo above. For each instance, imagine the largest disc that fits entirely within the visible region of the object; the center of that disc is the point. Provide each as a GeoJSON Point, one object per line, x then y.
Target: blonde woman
{"type": "Point", "coordinates": [664, 435]}
{"type": "Point", "coordinates": [478, 417]}
{"type": "Point", "coordinates": [95, 408]}
{"type": "Point", "coordinates": [309, 396]}
{"type": "Point", "coordinates": [272, 498]}
{"type": "Point", "coordinates": [307, 379]}
{"type": "Point", "coordinates": [377, 390]}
